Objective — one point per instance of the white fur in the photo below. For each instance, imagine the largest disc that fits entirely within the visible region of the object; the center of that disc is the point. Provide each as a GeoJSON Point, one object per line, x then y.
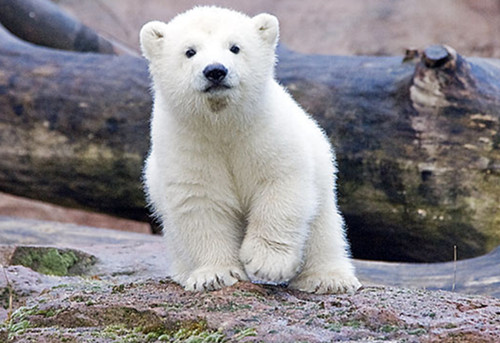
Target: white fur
{"type": "Point", "coordinates": [242, 178]}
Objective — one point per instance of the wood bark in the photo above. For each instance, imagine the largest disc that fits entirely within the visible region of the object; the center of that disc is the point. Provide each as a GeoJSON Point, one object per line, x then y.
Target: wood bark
{"type": "Point", "coordinates": [43, 23]}
{"type": "Point", "coordinates": [418, 147]}
{"type": "Point", "coordinates": [417, 139]}
{"type": "Point", "coordinates": [74, 127]}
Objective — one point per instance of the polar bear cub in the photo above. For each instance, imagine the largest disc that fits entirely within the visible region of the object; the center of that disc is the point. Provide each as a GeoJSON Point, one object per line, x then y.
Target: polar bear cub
{"type": "Point", "coordinates": [241, 177]}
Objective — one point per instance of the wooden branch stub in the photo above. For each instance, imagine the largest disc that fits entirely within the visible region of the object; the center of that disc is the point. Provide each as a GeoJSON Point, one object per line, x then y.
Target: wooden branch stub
{"type": "Point", "coordinates": [411, 54]}
{"type": "Point", "coordinates": [444, 79]}
{"type": "Point", "coordinates": [436, 56]}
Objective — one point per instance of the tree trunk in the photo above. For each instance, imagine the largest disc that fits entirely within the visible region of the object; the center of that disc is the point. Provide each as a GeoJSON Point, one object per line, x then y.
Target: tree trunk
{"type": "Point", "coordinates": [417, 141]}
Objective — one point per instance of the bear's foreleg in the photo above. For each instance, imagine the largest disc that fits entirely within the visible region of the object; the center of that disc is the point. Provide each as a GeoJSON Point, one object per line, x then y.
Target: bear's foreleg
{"type": "Point", "coordinates": [204, 241]}
{"type": "Point", "coordinates": [327, 267]}
{"type": "Point", "coordinates": [276, 233]}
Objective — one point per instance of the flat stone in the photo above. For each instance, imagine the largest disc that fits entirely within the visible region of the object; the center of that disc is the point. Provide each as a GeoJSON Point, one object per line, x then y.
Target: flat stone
{"type": "Point", "coordinates": [127, 256]}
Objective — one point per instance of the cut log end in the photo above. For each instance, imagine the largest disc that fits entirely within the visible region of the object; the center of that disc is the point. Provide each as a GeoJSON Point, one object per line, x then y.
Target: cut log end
{"type": "Point", "coordinates": [437, 56]}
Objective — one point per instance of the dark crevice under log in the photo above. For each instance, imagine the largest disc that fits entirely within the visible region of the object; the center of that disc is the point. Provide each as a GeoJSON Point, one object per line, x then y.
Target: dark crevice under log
{"type": "Point", "coordinates": [418, 144]}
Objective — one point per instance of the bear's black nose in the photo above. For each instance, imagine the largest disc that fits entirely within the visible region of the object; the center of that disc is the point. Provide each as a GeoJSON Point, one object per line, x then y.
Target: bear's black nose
{"type": "Point", "coordinates": [215, 72]}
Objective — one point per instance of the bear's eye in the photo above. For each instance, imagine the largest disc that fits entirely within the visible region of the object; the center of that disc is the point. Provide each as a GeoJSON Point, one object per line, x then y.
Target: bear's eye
{"type": "Point", "coordinates": [190, 53]}
{"type": "Point", "coordinates": [235, 49]}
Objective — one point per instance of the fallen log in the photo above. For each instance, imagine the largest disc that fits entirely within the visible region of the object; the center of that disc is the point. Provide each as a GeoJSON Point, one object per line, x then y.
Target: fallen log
{"type": "Point", "coordinates": [417, 141]}
{"type": "Point", "coordinates": [74, 127]}
{"type": "Point", "coordinates": [418, 145]}
{"type": "Point", "coordinates": [43, 23]}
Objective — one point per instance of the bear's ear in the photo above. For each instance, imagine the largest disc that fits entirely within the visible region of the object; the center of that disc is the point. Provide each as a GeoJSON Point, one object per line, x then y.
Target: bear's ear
{"type": "Point", "coordinates": [151, 37]}
{"type": "Point", "coordinates": [267, 26]}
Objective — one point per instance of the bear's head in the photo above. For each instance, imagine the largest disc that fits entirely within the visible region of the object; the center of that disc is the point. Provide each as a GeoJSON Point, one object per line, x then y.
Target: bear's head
{"type": "Point", "coordinates": [210, 56]}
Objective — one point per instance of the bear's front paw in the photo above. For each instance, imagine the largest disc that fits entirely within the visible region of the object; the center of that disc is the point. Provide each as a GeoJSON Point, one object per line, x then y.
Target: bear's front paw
{"type": "Point", "coordinates": [269, 261]}
{"type": "Point", "coordinates": [325, 282]}
{"type": "Point", "coordinates": [213, 278]}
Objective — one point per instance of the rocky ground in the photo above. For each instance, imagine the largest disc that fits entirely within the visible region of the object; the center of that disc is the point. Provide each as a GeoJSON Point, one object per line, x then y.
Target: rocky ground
{"type": "Point", "coordinates": [109, 286]}
{"type": "Point", "coordinates": [92, 310]}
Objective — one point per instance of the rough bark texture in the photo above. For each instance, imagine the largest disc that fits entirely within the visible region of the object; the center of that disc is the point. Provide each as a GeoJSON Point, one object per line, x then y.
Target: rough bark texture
{"type": "Point", "coordinates": [417, 141]}
{"type": "Point", "coordinates": [418, 146]}
{"type": "Point", "coordinates": [74, 127]}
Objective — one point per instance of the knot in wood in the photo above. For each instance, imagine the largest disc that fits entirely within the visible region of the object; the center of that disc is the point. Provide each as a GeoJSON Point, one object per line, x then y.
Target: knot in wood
{"type": "Point", "coordinates": [436, 56]}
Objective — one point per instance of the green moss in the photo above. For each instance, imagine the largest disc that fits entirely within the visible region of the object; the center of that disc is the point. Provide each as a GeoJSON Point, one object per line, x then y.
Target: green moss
{"type": "Point", "coordinates": [335, 327]}
{"type": "Point", "coordinates": [118, 289]}
{"type": "Point", "coordinates": [243, 333]}
{"type": "Point", "coordinates": [52, 261]}
{"type": "Point", "coordinates": [18, 328]}
{"type": "Point", "coordinates": [485, 204]}
{"type": "Point", "coordinates": [229, 307]}
{"type": "Point", "coordinates": [47, 313]}
{"type": "Point", "coordinates": [198, 336]}
{"type": "Point", "coordinates": [389, 328]}
{"type": "Point", "coordinates": [196, 332]}
{"type": "Point", "coordinates": [355, 324]}
{"type": "Point", "coordinates": [417, 332]}
{"type": "Point", "coordinates": [19, 321]}
{"type": "Point", "coordinates": [399, 201]}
